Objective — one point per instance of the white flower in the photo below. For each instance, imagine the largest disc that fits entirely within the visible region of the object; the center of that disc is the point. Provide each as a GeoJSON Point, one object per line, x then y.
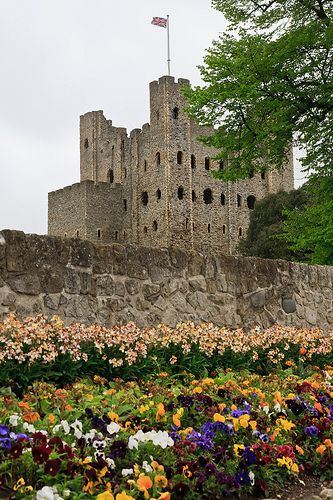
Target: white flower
{"type": "Point", "coordinates": [266, 409]}
{"type": "Point", "coordinates": [163, 439]}
{"type": "Point", "coordinates": [77, 433]}
{"type": "Point", "coordinates": [251, 476]}
{"type": "Point", "coordinates": [46, 493]}
{"type": "Point", "coordinates": [99, 454]}
{"type": "Point", "coordinates": [111, 463]}
{"type": "Point", "coordinates": [132, 443]}
{"type": "Point", "coordinates": [29, 427]}
{"type": "Point", "coordinates": [277, 407]}
{"type": "Point", "coordinates": [14, 419]}
{"type": "Point", "coordinates": [65, 426]}
{"type": "Point", "coordinates": [126, 472]}
{"type": "Point", "coordinates": [113, 428]}
{"type": "Point", "coordinates": [66, 493]}
{"type": "Point", "coordinates": [146, 466]}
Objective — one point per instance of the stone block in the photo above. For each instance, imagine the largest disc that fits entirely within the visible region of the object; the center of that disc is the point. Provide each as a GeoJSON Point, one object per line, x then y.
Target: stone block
{"type": "Point", "coordinates": [82, 253]}
{"type": "Point", "coordinates": [52, 301]}
{"type": "Point", "coordinates": [197, 283]}
{"type": "Point", "coordinates": [258, 298]}
{"type": "Point", "coordinates": [132, 287]}
{"type": "Point", "coordinates": [27, 284]}
{"type": "Point", "coordinates": [310, 316]}
{"type": "Point", "coordinates": [72, 281]}
{"type": "Point", "coordinates": [105, 285]}
{"type": "Point", "coordinates": [119, 289]}
{"type": "Point", "coordinates": [9, 299]}
{"type": "Point", "coordinates": [150, 290]}
{"type": "Point", "coordinates": [288, 305]}
{"type": "Point", "coordinates": [85, 283]}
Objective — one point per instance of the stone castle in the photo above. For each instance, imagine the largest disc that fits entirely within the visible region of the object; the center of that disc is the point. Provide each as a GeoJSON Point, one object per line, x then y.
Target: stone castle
{"type": "Point", "coordinates": [154, 187]}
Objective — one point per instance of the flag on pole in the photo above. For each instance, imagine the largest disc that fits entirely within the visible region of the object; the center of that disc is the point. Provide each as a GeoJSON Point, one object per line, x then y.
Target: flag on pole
{"type": "Point", "coordinates": [160, 21]}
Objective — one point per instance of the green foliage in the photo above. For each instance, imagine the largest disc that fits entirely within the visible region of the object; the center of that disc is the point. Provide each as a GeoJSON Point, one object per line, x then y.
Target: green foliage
{"type": "Point", "coordinates": [310, 230]}
{"type": "Point", "coordinates": [268, 84]}
{"type": "Point", "coordinates": [266, 226]}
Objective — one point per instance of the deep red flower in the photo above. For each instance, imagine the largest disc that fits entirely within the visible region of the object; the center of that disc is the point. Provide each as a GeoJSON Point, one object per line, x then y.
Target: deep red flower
{"type": "Point", "coordinates": [52, 467]}
{"type": "Point", "coordinates": [40, 454]}
{"type": "Point", "coordinates": [16, 450]}
{"type": "Point", "coordinates": [39, 438]}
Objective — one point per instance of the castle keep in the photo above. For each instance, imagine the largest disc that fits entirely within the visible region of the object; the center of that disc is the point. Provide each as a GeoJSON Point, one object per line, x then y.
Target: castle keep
{"type": "Point", "coordinates": [154, 187]}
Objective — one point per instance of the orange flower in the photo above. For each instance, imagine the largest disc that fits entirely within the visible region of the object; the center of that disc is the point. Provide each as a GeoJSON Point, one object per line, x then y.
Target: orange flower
{"type": "Point", "coordinates": [59, 393]}
{"type": "Point", "coordinates": [318, 407]}
{"type": "Point", "coordinates": [165, 496]}
{"type": "Point", "coordinates": [68, 408]}
{"type": "Point", "coordinates": [31, 417]}
{"type": "Point", "coordinates": [299, 449]}
{"type": "Point", "coordinates": [51, 419]}
{"type": "Point", "coordinates": [110, 392]}
{"type": "Point", "coordinates": [113, 416]}
{"type": "Point", "coordinates": [160, 481]}
{"type": "Point", "coordinates": [302, 351]}
{"type": "Point", "coordinates": [321, 449]}
{"type": "Point", "coordinates": [24, 406]}
{"type": "Point", "coordinates": [218, 418]}
{"type": "Point", "coordinates": [144, 482]}
{"type": "Point", "coordinates": [328, 443]}
{"type": "Point", "coordinates": [160, 411]}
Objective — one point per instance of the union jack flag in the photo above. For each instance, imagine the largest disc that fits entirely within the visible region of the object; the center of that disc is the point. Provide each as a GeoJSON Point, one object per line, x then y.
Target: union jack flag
{"type": "Point", "coordinates": [160, 21]}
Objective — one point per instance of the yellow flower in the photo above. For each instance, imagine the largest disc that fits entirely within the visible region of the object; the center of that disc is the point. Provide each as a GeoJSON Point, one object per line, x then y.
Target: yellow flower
{"type": "Point", "coordinates": [244, 420]}
{"type": "Point", "coordinates": [124, 496]}
{"type": "Point", "coordinates": [208, 381]}
{"type": "Point", "coordinates": [114, 417]}
{"type": "Point", "coordinates": [285, 424]}
{"type": "Point", "coordinates": [218, 418]}
{"type": "Point", "coordinates": [143, 408]}
{"type": "Point", "coordinates": [186, 471]}
{"type": "Point", "coordinates": [19, 484]}
{"type": "Point", "coordinates": [160, 481]}
{"type": "Point", "coordinates": [197, 390]}
{"type": "Point", "coordinates": [253, 424]}
{"type": "Point", "coordinates": [89, 397]}
{"type": "Point", "coordinates": [105, 496]}
{"type": "Point", "coordinates": [238, 447]}
{"type": "Point", "coordinates": [156, 466]}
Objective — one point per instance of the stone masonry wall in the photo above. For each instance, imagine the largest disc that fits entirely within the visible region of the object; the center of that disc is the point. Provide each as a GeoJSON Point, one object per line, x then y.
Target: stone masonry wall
{"type": "Point", "coordinates": [111, 284]}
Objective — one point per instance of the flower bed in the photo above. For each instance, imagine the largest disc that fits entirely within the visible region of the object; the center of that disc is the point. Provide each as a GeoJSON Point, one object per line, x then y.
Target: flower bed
{"type": "Point", "coordinates": [195, 411]}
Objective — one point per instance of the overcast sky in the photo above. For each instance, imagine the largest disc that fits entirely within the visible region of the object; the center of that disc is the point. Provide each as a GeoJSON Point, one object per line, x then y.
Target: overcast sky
{"type": "Point", "coordinates": [62, 58]}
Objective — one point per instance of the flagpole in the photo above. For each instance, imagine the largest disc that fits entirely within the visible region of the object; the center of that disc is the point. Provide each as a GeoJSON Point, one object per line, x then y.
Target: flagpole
{"type": "Point", "coordinates": [168, 35]}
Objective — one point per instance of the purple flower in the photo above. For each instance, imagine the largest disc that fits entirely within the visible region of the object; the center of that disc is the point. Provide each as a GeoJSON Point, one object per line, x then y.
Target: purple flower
{"type": "Point", "coordinates": [311, 430]}
{"type": "Point", "coordinates": [238, 413]}
{"type": "Point", "coordinates": [264, 438]}
{"type": "Point", "coordinates": [4, 430]}
{"type": "Point", "coordinates": [5, 443]}
{"type": "Point", "coordinates": [249, 457]}
{"type": "Point", "coordinates": [242, 478]}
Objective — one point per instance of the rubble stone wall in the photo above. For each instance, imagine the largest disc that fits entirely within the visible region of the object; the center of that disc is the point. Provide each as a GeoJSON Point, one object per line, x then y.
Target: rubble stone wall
{"type": "Point", "coordinates": [112, 284]}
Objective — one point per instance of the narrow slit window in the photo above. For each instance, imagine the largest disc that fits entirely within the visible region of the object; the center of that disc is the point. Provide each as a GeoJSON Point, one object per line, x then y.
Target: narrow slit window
{"type": "Point", "coordinates": [251, 201]}
{"type": "Point", "coordinates": [175, 113]}
{"type": "Point", "coordinates": [144, 198]}
{"type": "Point", "coordinates": [158, 158]}
{"type": "Point", "coordinates": [180, 193]}
{"type": "Point", "coordinates": [116, 235]}
{"type": "Point", "coordinates": [158, 194]}
{"type": "Point", "coordinates": [239, 201]}
{"type": "Point", "coordinates": [240, 232]}
{"type": "Point", "coordinates": [208, 196]}
{"type": "Point", "coordinates": [193, 161]}
{"type": "Point", "coordinates": [208, 228]}
{"type": "Point", "coordinates": [221, 165]}
{"type": "Point", "coordinates": [99, 234]}
{"type": "Point", "coordinates": [179, 157]}
{"type": "Point", "coordinates": [155, 225]}
{"type": "Point", "coordinates": [111, 176]}
{"type": "Point", "coordinates": [207, 163]}
{"type": "Point", "coordinates": [194, 196]}
{"type": "Point", "coordinates": [222, 199]}
{"type": "Point", "coordinates": [125, 205]}
{"type": "Point", "coordinates": [223, 229]}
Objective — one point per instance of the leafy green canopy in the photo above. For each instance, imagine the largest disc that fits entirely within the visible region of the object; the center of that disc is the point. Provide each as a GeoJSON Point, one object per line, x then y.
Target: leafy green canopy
{"type": "Point", "coordinates": [263, 238]}
{"type": "Point", "coordinates": [310, 230]}
{"type": "Point", "coordinates": [269, 84]}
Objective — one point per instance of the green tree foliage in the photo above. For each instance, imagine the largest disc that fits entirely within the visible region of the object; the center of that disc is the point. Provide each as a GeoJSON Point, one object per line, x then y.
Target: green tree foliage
{"type": "Point", "coordinates": [269, 84]}
{"type": "Point", "coordinates": [310, 230]}
{"type": "Point", "coordinates": [265, 229]}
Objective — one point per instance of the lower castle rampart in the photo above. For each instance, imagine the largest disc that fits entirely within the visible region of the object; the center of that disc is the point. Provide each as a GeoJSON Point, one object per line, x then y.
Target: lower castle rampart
{"type": "Point", "coordinates": [110, 284]}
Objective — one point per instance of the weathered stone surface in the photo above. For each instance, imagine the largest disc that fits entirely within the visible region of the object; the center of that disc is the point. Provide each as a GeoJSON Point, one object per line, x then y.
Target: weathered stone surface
{"type": "Point", "coordinates": [158, 285]}
{"type": "Point", "coordinates": [288, 305]}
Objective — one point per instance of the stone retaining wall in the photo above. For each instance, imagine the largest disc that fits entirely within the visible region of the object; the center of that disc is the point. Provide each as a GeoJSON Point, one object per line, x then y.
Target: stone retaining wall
{"type": "Point", "coordinates": [110, 284]}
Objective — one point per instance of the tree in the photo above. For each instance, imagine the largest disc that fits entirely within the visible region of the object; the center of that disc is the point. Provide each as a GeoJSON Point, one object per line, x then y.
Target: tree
{"type": "Point", "coordinates": [268, 85]}
{"type": "Point", "coordinates": [310, 230]}
{"type": "Point", "coordinates": [263, 238]}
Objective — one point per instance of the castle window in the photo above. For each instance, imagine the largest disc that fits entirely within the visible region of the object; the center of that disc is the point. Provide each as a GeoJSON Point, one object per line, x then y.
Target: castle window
{"type": "Point", "coordinates": [65, 235]}
{"type": "Point", "coordinates": [221, 164]}
{"type": "Point", "coordinates": [158, 158]}
{"type": "Point", "coordinates": [207, 163]}
{"type": "Point", "coordinates": [239, 201]}
{"type": "Point", "coordinates": [251, 200]}
{"type": "Point", "coordinates": [98, 233]}
{"type": "Point", "coordinates": [175, 113]}
{"type": "Point", "coordinates": [179, 157]}
{"type": "Point", "coordinates": [193, 226]}
{"type": "Point", "coordinates": [193, 161]}
{"type": "Point", "coordinates": [116, 235]}
{"type": "Point", "coordinates": [208, 196]}
{"type": "Point", "coordinates": [110, 176]}
{"type": "Point", "coordinates": [145, 166]}
{"type": "Point", "coordinates": [222, 199]}
{"type": "Point", "coordinates": [208, 228]}
{"type": "Point", "coordinates": [86, 143]}
{"type": "Point", "coordinates": [240, 232]}
{"type": "Point", "coordinates": [158, 194]}
{"type": "Point", "coordinates": [155, 225]}
{"type": "Point", "coordinates": [223, 229]}
{"type": "Point", "coordinates": [144, 198]}
{"type": "Point", "coordinates": [77, 234]}
{"type": "Point", "coordinates": [194, 196]}
{"type": "Point", "coordinates": [180, 193]}
{"type": "Point", "coordinates": [145, 229]}
{"type": "Point", "coordinates": [186, 223]}
{"type": "Point", "coordinates": [263, 175]}
{"type": "Point", "coordinates": [157, 115]}
{"type": "Point", "coordinates": [125, 173]}
{"type": "Point", "coordinates": [251, 174]}
{"type": "Point", "coordinates": [125, 205]}
{"type": "Point", "coordinates": [124, 235]}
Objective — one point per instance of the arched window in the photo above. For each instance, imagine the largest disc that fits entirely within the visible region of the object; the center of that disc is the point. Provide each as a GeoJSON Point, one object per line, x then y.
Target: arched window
{"type": "Point", "coordinates": [240, 232]}
{"type": "Point", "coordinates": [86, 143]}
{"type": "Point", "coordinates": [175, 113]}
{"type": "Point", "coordinates": [251, 200]}
{"type": "Point", "coordinates": [223, 229]}
{"type": "Point", "coordinates": [208, 228]}
{"type": "Point", "coordinates": [180, 193]}
{"type": "Point", "coordinates": [155, 226]}
{"type": "Point", "coordinates": [207, 163]}
{"type": "Point", "coordinates": [110, 176]}
{"type": "Point", "coordinates": [158, 194]}
{"type": "Point", "coordinates": [239, 201]}
{"type": "Point", "coordinates": [221, 164]}
{"type": "Point", "coordinates": [194, 196]}
{"type": "Point", "coordinates": [193, 161]}
{"type": "Point", "coordinates": [179, 157]}
{"type": "Point", "coordinates": [222, 199]}
{"type": "Point", "coordinates": [208, 196]}
{"type": "Point", "coordinates": [144, 198]}
{"type": "Point", "coordinates": [158, 158]}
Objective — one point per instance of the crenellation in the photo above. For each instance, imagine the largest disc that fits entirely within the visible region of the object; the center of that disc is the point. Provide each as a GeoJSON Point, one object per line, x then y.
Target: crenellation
{"type": "Point", "coordinates": [154, 186]}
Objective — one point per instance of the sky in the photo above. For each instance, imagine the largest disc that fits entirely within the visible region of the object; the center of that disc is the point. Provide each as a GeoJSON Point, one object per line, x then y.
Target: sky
{"type": "Point", "coordinates": [62, 58]}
